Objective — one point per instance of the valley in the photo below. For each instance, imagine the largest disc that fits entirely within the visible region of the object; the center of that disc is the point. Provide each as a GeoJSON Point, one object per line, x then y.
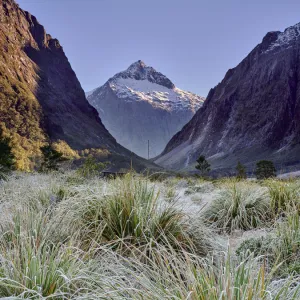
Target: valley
{"type": "Point", "coordinates": [138, 189]}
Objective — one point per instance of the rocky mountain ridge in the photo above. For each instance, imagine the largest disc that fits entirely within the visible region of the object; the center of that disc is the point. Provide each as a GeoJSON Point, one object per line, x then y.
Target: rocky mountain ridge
{"type": "Point", "coordinates": [141, 104]}
{"type": "Point", "coordinates": [252, 114]}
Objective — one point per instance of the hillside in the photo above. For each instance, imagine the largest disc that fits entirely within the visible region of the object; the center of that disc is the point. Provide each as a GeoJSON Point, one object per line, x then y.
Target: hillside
{"type": "Point", "coordinates": [252, 114]}
{"type": "Point", "coordinates": [41, 98]}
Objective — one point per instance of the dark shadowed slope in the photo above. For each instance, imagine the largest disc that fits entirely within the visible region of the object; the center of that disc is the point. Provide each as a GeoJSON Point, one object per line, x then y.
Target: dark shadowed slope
{"type": "Point", "coordinates": [254, 113]}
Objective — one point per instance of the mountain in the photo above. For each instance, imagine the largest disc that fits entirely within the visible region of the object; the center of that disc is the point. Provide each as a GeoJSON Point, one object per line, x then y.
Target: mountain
{"type": "Point", "coordinates": [40, 95]}
{"type": "Point", "coordinates": [254, 113]}
{"type": "Point", "coordinates": [141, 104]}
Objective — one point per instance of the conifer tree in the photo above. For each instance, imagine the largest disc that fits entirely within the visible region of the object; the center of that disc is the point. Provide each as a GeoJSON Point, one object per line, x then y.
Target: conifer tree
{"type": "Point", "coordinates": [265, 169]}
{"type": "Point", "coordinates": [51, 159]}
{"type": "Point", "coordinates": [240, 171]}
{"type": "Point", "coordinates": [202, 165]}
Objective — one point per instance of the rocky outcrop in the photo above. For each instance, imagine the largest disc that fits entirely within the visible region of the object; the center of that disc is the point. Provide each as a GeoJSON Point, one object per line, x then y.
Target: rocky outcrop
{"type": "Point", "coordinates": [254, 113]}
{"type": "Point", "coordinates": [40, 95]}
{"type": "Point", "coordinates": [141, 104]}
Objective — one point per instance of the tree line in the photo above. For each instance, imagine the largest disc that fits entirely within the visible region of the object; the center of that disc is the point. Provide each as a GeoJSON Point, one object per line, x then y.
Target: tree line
{"type": "Point", "coordinates": [264, 168]}
{"type": "Point", "coordinates": [51, 159]}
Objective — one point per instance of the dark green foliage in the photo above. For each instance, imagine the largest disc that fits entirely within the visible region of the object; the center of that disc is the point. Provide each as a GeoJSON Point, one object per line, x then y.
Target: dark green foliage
{"type": "Point", "coordinates": [51, 159]}
{"type": "Point", "coordinates": [203, 165]}
{"type": "Point", "coordinates": [7, 160]}
{"type": "Point", "coordinates": [240, 171]}
{"type": "Point", "coordinates": [91, 167]}
{"type": "Point", "coordinates": [6, 156]}
{"type": "Point", "coordinates": [265, 169]}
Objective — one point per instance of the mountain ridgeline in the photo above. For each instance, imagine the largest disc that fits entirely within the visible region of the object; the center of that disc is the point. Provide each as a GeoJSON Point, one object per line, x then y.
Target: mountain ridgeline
{"type": "Point", "coordinates": [140, 104]}
{"type": "Point", "coordinates": [41, 98]}
{"type": "Point", "coordinates": [254, 113]}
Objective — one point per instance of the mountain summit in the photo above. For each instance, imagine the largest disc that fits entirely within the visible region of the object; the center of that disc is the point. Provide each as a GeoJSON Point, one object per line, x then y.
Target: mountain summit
{"type": "Point", "coordinates": [141, 104]}
{"type": "Point", "coordinates": [140, 71]}
{"type": "Point", "coordinates": [253, 114]}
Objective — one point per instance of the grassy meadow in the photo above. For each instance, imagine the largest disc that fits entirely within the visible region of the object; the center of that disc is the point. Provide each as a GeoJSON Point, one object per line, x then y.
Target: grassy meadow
{"type": "Point", "coordinates": [65, 236]}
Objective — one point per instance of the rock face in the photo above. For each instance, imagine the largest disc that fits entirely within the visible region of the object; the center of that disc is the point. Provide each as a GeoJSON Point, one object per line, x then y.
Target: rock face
{"type": "Point", "coordinates": [254, 113]}
{"type": "Point", "coordinates": [141, 104]}
{"type": "Point", "coordinates": [40, 95]}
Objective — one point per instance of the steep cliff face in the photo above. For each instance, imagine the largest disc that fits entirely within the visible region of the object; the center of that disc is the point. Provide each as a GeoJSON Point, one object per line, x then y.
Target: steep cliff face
{"type": "Point", "coordinates": [40, 95]}
{"type": "Point", "coordinates": [141, 104]}
{"type": "Point", "coordinates": [253, 113]}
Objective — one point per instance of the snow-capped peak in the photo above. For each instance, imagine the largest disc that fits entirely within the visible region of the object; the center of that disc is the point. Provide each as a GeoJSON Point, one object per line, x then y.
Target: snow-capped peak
{"type": "Point", "coordinates": [289, 35]}
{"type": "Point", "coordinates": [143, 83]}
{"type": "Point", "coordinates": [140, 71]}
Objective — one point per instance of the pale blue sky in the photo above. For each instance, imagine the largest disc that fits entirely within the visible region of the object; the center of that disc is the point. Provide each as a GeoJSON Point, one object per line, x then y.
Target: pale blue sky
{"type": "Point", "coordinates": [193, 42]}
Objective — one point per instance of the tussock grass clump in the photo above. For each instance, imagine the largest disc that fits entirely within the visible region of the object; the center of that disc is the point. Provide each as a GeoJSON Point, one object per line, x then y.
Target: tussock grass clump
{"type": "Point", "coordinates": [33, 267]}
{"type": "Point", "coordinates": [171, 276]}
{"type": "Point", "coordinates": [280, 246]}
{"type": "Point", "coordinates": [239, 207]}
{"type": "Point", "coordinates": [117, 239]}
{"type": "Point", "coordinates": [132, 215]}
{"type": "Point", "coordinates": [286, 246]}
{"type": "Point", "coordinates": [170, 194]}
{"type": "Point", "coordinates": [282, 194]}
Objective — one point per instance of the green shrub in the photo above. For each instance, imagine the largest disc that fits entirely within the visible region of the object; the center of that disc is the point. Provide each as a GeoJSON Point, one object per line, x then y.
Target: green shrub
{"type": "Point", "coordinates": [21, 115]}
{"type": "Point", "coordinates": [6, 155]}
{"type": "Point", "coordinates": [240, 171]}
{"type": "Point", "coordinates": [91, 168]}
{"type": "Point", "coordinates": [202, 165]}
{"type": "Point", "coordinates": [7, 160]}
{"type": "Point", "coordinates": [51, 159]}
{"type": "Point", "coordinates": [238, 207]}
{"type": "Point", "coordinates": [265, 169]}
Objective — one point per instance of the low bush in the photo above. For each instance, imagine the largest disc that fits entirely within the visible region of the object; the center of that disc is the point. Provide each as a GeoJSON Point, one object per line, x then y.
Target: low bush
{"type": "Point", "coordinates": [265, 169]}
{"type": "Point", "coordinates": [91, 168]}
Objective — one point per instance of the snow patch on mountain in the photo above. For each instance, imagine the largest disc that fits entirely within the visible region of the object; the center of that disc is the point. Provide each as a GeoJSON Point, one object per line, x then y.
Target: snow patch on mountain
{"type": "Point", "coordinates": [157, 95]}
{"type": "Point", "coordinates": [284, 38]}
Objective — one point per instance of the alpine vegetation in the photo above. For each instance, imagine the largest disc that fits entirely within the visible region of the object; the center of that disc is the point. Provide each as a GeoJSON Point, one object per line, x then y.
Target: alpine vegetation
{"type": "Point", "coordinates": [123, 238]}
{"type": "Point", "coordinates": [239, 207]}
